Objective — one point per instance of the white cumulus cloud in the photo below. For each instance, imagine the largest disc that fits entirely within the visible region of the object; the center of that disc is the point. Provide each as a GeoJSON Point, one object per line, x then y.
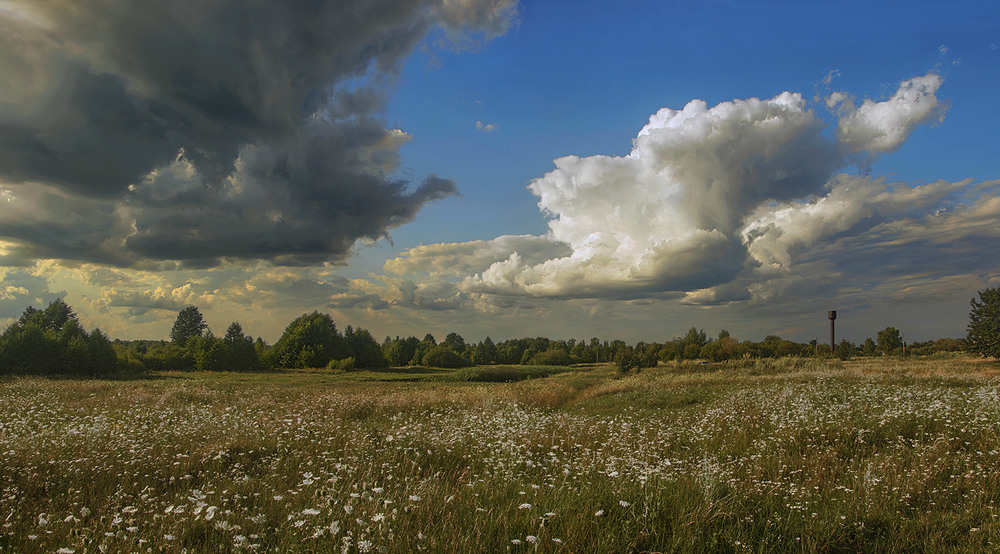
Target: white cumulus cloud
{"type": "Point", "coordinates": [713, 205]}
{"type": "Point", "coordinates": [878, 127]}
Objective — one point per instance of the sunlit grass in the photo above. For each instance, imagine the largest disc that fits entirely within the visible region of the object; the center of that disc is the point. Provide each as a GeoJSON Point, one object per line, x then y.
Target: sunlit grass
{"type": "Point", "coordinates": [790, 455]}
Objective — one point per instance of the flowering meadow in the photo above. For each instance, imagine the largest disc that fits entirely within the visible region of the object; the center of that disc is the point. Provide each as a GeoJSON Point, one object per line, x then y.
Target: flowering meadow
{"type": "Point", "coordinates": [786, 455]}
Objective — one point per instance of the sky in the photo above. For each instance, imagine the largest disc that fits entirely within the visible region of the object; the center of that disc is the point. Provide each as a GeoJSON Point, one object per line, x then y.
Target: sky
{"type": "Point", "coordinates": [621, 170]}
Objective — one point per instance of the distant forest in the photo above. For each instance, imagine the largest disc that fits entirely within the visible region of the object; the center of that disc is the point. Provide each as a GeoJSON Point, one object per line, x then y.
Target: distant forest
{"type": "Point", "coordinates": [52, 341]}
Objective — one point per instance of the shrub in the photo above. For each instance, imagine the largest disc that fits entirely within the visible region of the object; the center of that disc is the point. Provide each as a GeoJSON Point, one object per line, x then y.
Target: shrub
{"type": "Point", "coordinates": [551, 357]}
{"type": "Point", "coordinates": [440, 356]}
{"type": "Point", "coordinates": [346, 364]}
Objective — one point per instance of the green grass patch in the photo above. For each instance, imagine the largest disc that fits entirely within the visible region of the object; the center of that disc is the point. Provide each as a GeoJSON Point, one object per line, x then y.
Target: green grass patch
{"type": "Point", "coordinates": [502, 373]}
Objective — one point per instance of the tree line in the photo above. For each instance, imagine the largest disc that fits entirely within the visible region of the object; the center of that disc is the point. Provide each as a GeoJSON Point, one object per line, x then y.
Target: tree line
{"type": "Point", "coordinates": [52, 341]}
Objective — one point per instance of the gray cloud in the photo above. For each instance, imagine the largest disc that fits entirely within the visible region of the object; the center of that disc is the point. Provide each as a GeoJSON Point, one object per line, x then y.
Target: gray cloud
{"type": "Point", "coordinates": [216, 129]}
{"type": "Point", "coordinates": [369, 301]}
{"type": "Point", "coordinates": [20, 289]}
{"type": "Point", "coordinates": [463, 258]}
{"type": "Point", "coordinates": [141, 302]}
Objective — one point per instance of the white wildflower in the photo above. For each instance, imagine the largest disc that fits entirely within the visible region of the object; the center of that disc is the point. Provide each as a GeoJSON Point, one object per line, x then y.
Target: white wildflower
{"type": "Point", "coordinates": [524, 506]}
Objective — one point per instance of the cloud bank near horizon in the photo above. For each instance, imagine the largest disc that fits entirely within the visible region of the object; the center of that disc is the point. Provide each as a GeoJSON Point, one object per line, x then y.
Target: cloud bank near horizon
{"type": "Point", "coordinates": [198, 131]}
{"type": "Point", "coordinates": [744, 201]}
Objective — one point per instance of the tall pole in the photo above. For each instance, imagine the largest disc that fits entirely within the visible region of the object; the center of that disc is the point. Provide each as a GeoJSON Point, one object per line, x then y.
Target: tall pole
{"type": "Point", "coordinates": [832, 315]}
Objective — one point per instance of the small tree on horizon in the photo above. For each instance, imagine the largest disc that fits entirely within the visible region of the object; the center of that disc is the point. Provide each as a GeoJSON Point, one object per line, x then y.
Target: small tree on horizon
{"type": "Point", "coordinates": [237, 351]}
{"type": "Point", "coordinates": [189, 323]}
{"type": "Point", "coordinates": [984, 324]}
{"type": "Point", "coordinates": [311, 340]}
{"type": "Point", "coordinates": [889, 341]}
{"type": "Point", "coordinates": [844, 350]}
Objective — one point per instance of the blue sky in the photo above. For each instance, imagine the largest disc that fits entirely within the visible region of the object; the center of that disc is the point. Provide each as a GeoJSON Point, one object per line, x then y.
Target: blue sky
{"type": "Point", "coordinates": [581, 78]}
{"type": "Point", "coordinates": [227, 206]}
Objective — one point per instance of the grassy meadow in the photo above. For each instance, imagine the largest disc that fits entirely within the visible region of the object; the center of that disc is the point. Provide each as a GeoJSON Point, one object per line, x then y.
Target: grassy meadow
{"type": "Point", "coordinates": [787, 455]}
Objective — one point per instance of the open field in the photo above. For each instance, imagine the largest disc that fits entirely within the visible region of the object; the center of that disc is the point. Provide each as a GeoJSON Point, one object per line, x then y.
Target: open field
{"type": "Point", "coordinates": [775, 455]}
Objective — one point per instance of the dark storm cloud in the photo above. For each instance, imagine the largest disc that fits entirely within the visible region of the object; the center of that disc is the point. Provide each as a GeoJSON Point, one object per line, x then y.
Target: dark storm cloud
{"type": "Point", "coordinates": [271, 109]}
{"type": "Point", "coordinates": [43, 221]}
{"type": "Point", "coordinates": [296, 203]}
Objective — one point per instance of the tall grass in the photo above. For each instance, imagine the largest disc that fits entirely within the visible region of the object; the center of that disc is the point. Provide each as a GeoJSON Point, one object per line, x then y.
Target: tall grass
{"type": "Point", "coordinates": [884, 456]}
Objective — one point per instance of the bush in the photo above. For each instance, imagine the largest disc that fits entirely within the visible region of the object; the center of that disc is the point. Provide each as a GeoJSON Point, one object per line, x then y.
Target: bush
{"type": "Point", "coordinates": [630, 358]}
{"type": "Point", "coordinates": [440, 356]}
{"type": "Point", "coordinates": [346, 364]}
{"type": "Point", "coordinates": [551, 357]}
{"type": "Point", "coordinates": [131, 365]}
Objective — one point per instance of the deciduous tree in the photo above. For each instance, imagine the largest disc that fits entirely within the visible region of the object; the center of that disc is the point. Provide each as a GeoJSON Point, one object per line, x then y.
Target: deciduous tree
{"type": "Point", "coordinates": [889, 340]}
{"type": "Point", "coordinates": [189, 323]}
{"type": "Point", "coordinates": [311, 340]}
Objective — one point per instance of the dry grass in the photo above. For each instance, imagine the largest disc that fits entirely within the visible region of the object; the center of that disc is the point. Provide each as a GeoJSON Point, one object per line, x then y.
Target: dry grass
{"type": "Point", "coordinates": [865, 455]}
